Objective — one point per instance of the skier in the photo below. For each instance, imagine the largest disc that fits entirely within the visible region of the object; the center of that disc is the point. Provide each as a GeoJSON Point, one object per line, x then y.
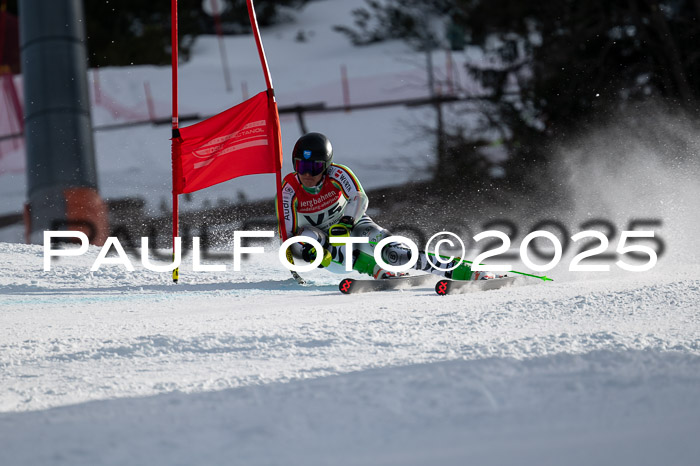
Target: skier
{"type": "Point", "coordinates": [324, 200]}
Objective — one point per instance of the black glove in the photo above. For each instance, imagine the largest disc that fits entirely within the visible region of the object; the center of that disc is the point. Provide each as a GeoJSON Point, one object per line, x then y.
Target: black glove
{"type": "Point", "coordinates": [308, 253]}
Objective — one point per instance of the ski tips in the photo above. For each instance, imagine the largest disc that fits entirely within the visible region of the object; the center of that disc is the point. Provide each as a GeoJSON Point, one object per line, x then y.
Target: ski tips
{"type": "Point", "coordinates": [346, 285]}
{"type": "Point", "coordinates": [441, 287]}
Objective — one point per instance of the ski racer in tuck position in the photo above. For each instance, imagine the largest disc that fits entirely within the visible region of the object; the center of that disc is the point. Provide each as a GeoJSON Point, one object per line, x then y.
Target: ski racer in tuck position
{"type": "Point", "coordinates": [323, 200]}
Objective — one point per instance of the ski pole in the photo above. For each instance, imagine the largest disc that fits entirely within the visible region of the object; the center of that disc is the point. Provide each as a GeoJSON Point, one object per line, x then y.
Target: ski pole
{"type": "Point", "coordinates": [543, 278]}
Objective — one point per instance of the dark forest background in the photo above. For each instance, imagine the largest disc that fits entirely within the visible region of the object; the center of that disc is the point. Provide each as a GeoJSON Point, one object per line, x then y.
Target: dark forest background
{"type": "Point", "coordinates": [555, 68]}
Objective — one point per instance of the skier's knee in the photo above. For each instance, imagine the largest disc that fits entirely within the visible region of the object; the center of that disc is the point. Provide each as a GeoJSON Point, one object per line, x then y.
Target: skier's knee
{"type": "Point", "coordinates": [396, 254]}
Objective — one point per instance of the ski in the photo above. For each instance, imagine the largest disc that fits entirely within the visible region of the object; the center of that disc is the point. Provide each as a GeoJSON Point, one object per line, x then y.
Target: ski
{"type": "Point", "coordinates": [445, 287]}
{"type": "Point", "coordinates": [352, 285]}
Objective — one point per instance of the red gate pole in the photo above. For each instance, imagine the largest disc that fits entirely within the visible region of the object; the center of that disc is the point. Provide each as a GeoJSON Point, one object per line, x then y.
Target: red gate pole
{"type": "Point", "coordinates": [149, 101]}
{"type": "Point", "coordinates": [222, 47]}
{"type": "Point", "coordinates": [175, 126]}
{"type": "Point", "coordinates": [346, 86]}
{"type": "Point", "coordinates": [273, 106]}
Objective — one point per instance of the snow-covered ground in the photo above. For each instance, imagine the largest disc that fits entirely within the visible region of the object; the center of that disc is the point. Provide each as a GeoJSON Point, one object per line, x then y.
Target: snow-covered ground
{"type": "Point", "coordinates": [114, 367]}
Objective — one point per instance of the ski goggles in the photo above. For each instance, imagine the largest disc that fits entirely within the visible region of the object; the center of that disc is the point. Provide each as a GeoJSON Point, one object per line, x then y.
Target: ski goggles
{"type": "Point", "coordinates": [314, 167]}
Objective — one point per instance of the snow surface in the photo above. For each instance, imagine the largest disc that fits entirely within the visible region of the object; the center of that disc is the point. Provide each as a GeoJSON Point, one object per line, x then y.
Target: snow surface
{"type": "Point", "coordinates": [114, 367]}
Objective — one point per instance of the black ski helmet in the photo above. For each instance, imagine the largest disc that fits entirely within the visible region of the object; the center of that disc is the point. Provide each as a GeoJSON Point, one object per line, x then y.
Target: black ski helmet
{"type": "Point", "coordinates": [313, 147]}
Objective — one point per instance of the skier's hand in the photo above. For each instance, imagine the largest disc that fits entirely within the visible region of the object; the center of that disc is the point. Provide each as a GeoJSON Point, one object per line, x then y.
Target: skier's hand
{"type": "Point", "coordinates": [340, 229]}
{"type": "Point", "coordinates": [309, 254]}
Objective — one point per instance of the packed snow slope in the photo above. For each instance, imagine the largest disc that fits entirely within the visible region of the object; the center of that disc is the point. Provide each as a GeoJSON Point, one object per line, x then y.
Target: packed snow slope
{"type": "Point", "coordinates": [118, 367]}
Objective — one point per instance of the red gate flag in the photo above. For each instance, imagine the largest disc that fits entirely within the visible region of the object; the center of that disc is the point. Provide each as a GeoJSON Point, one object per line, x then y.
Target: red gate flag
{"type": "Point", "coordinates": [242, 140]}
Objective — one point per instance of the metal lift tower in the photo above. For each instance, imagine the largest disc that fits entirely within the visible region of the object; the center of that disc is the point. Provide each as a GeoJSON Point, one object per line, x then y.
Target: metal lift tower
{"type": "Point", "coordinates": [61, 173]}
